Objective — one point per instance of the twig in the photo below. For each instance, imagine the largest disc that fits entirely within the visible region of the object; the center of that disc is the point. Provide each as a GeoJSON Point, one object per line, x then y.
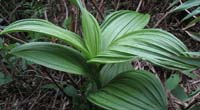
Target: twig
{"type": "Point", "coordinates": [61, 89]}
{"type": "Point", "coordinates": [192, 103]}
{"type": "Point", "coordinates": [139, 5]}
{"type": "Point", "coordinates": [161, 19]}
{"type": "Point", "coordinates": [98, 10]}
{"type": "Point", "coordinates": [12, 37]}
{"type": "Point", "coordinates": [118, 2]}
{"type": "Point", "coordinates": [72, 81]}
{"type": "Point", "coordinates": [185, 28]}
{"type": "Point", "coordinates": [187, 9]}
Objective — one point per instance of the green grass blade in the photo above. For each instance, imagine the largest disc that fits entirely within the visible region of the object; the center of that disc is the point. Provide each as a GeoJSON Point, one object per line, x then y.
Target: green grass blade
{"type": "Point", "coordinates": [193, 13]}
{"type": "Point", "coordinates": [186, 5]}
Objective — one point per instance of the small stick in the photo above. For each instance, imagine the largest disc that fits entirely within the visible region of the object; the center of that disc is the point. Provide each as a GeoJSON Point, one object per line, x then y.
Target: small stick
{"type": "Point", "coordinates": [98, 10]}
{"type": "Point", "coordinates": [12, 37]}
{"type": "Point", "coordinates": [166, 14]}
{"type": "Point", "coordinates": [61, 89]}
{"type": "Point", "coordinates": [139, 5]}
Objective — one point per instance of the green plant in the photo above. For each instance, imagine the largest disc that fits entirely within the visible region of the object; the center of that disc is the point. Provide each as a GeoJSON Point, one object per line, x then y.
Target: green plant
{"type": "Point", "coordinates": [104, 56]}
{"type": "Point", "coordinates": [192, 16]}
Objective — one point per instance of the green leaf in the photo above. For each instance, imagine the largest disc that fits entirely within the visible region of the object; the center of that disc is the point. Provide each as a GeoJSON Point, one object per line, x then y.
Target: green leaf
{"type": "Point", "coordinates": [186, 5]}
{"type": "Point", "coordinates": [190, 74]}
{"type": "Point", "coordinates": [91, 33]}
{"type": "Point", "coordinates": [1, 43]}
{"type": "Point", "coordinates": [173, 81]}
{"type": "Point", "coordinates": [179, 93]}
{"type": "Point", "coordinates": [45, 27]}
{"type": "Point", "coordinates": [70, 90]}
{"type": "Point", "coordinates": [195, 12]}
{"type": "Point", "coordinates": [133, 90]}
{"type": "Point", "coordinates": [154, 45]}
{"type": "Point", "coordinates": [52, 55]}
{"type": "Point", "coordinates": [109, 71]}
{"type": "Point", "coordinates": [67, 22]}
{"type": "Point", "coordinates": [4, 79]}
{"type": "Point", "coordinates": [120, 23]}
{"type": "Point", "coordinates": [193, 22]}
{"type": "Point", "coordinates": [49, 86]}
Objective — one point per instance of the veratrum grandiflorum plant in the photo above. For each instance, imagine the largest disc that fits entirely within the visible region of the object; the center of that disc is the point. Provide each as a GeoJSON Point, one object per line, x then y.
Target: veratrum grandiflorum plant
{"type": "Point", "coordinates": [104, 56]}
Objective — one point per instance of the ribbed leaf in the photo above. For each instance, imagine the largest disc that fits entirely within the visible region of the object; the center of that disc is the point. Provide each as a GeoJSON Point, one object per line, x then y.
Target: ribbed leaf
{"type": "Point", "coordinates": [45, 27]}
{"type": "Point", "coordinates": [186, 5]}
{"type": "Point", "coordinates": [109, 71]}
{"type": "Point", "coordinates": [156, 46]}
{"type": "Point", "coordinates": [91, 33]}
{"type": "Point", "coordinates": [52, 55]}
{"type": "Point", "coordinates": [195, 12]}
{"type": "Point", "coordinates": [133, 90]}
{"type": "Point", "coordinates": [120, 23]}
{"type": "Point", "coordinates": [172, 81]}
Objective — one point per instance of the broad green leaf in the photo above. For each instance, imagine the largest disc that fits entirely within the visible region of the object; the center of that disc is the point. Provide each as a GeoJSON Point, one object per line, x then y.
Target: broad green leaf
{"type": "Point", "coordinates": [4, 79]}
{"type": "Point", "coordinates": [179, 93]}
{"type": "Point", "coordinates": [173, 81]}
{"type": "Point", "coordinates": [133, 90]}
{"type": "Point", "coordinates": [45, 27]}
{"type": "Point", "coordinates": [109, 71]}
{"type": "Point", "coordinates": [53, 55]}
{"type": "Point", "coordinates": [190, 74]}
{"type": "Point", "coordinates": [186, 5]}
{"type": "Point", "coordinates": [154, 45]}
{"type": "Point", "coordinates": [120, 23]}
{"type": "Point", "coordinates": [91, 33]}
{"type": "Point", "coordinates": [195, 12]}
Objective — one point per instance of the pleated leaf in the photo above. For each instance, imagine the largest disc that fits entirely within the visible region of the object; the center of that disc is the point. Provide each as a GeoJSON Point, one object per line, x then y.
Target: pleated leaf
{"type": "Point", "coordinates": [133, 90]}
{"type": "Point", "coordinates": [53, 56]}
{"type": "Point", "coordinates": [186, 5]}
{"type": "Point", "coordinates": [45, 27]}
{"type": "Point", "coordinates": [154, 45]}
{"type": "Point", "coordinates": [109, 71]}
{"type": "Point", "coordinates": [120, 23]}
{"type": "Point", "coordinates": [91, 33]}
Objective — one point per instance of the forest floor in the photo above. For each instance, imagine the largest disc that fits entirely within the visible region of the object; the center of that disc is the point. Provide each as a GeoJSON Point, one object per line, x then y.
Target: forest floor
{"type": "Point", "coordinates": [33, 87]}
